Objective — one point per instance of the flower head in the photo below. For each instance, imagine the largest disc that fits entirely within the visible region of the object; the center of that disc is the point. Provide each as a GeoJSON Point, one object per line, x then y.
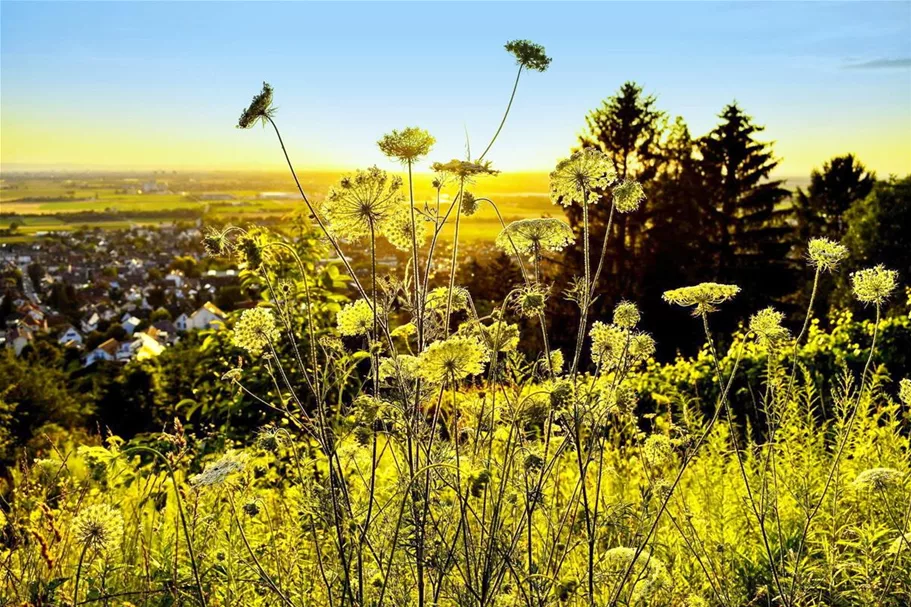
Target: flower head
{"type": "Point", "coordinates": [452, 359]}
{"type": "Point", "coordinates": [408, 145]}
{"type": "Point", "coordinates": [355, 318]}
{"type": "Point", "coordinates": [399, 230]}
{"type": "Point", "coordinates": [825, 254]}
{"type": "Point", "coordinates": [500, 337]}
{"type": "Point", "coordinates": [628, 196]}
{"type": "Point", "coordinates": [361, 201]}
{"type": "Point", "coordinates": [464, 169]}
{"type": "Point", "coordinates": [439, 298]}
{"type": "Point", "coordinates": [469, 204]}
{"type": "Point", "coordinates": [216, 242]}
{"type": "Point", "coordinates": [766, 324]}
{"type": "Point", "coordinates": [260, 109]}
{"type": "Point", "coordinates": [531, 236]}
{"type": "Point", "coordinates": [703, 297]}
{"type": "Point", "coordinates": [530, 301]}
{"type": "Point", "coordinates": [218, 472]}
{"type": "Point", "coordinates": [576, 177]}
{"type": "Point", "coordinates": [641, 346]}
{"type": "Point", "coordinates": [626, 315]}
{"type": "Point", "coordinates": [528, 54]}
{"type": "Point", "coordinates": [608, 344]}
{"type": "Point", "coordinates": [878, 478]}
{"type": "Point", "coordinates": [904, 391]}
{"type": "Point", "coordinates": [99, 526]}
{"type": "Point", "coordinates": [556, 361]}
{"type": "Point", "coordinates": [255, 330]}
{"type": "Point", "coordinates": [874, 285]}
{"type": "Point", "coordinates": [657, 449]}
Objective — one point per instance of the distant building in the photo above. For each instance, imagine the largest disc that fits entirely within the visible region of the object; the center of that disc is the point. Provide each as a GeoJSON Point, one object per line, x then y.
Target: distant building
{"type": "Point", "coordinates": [106, 351]}
{"type": "Point", "coordinates": [70, 337]}
{"type": "Point", "coordinates": [209, 316]}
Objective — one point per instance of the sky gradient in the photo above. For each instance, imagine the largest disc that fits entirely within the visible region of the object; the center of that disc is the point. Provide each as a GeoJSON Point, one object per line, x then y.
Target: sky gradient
{"type": "Point", "coordinates": [160, 85]}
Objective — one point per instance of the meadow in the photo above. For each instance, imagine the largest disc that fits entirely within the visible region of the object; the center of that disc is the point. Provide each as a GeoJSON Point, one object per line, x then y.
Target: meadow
{"type": "Point", "coordinates": [420, 453]}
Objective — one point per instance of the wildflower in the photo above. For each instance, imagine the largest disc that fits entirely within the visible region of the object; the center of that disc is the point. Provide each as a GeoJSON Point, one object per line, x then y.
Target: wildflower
{"type": "Point", "coordinates": [99, 526]}
{"type": "Point", "coordinates": [260, 109]}
{"type": "Point", "coordinates": [401, 232]}
{"type": "Point", "coordinates": [556, 361]}
{"type": "Point", "coordinates": [649, 570]}
{"type": "Point", "coordinates": [531, 236]}
{"type": "Point", "coordinates": [438, 299]}
{"type": "Point", "coordinates": [500, 337]}
{"type": "Point", "coordinates": [255, 330]}
{"type": "Point", "coordinates": [576, 177]}
{"type": "Point", "coordinates": [355, 318]}
{"type": "Point", "coordinates": [608, 344]}
{"type": "Point", "coordinates": [621, 400]}
{"type": "Point", "coordinates": [878, 478]}
{"type": "Point", "coordinates": [479, 482]}
{"type": "Point", "coordinates": [331, 343]}
{"type": "Point", "coordinates": [626, 315]}
{"type": "Point", "coordinates": [408, 145]}
{"type": "Point", "coordinates": [766, 324]}
{"type": "Point", "coordinates": [530, 301]}
{"type": "Point", "coordinates": [452, 359]}
{"type": "Point", "coordinates": [561, 394]}
{"type": "Point", "coordinates": [464, 169]}
{"type": "Point", "coordinates": [270, 438]}
{"type": "Point", "coordinates": [469, 204]}
{"type": "Point", "coordinates": [217, 472]}
{"type": "Point", "coordinates": [216, 242]}
{"type": "Point", "coordinates": [657, 449]}
{"type": "Point", "coordinates": [703, 297]}
{"type": "Point", "coordinates": [362, 201]}
{"type": "Point", "coordinates": [628, 196]}
{"type": "Point", "coordinates": [403, 366]}
{"type": "Point", "coordinates": [251, 508]}
{"type": "Point", "coordinates": [641, 346]}
{"type": "Point", "coordinates": [825, 254]}
{"type": "Point", "coordinates": [874, 285]}
{"type": "Point", "coordinates": [528, 54]}
{"type": "Point", "coordinates": [904, 391]}
{"type": "Point", "coordinates": [250, 249]}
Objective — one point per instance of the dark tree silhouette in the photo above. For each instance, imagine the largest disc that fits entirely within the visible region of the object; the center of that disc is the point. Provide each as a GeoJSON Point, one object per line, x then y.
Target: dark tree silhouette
{"type": "Point", "coordinates": [750, 226]}
{"type": "Point", "coordinates": [820, 210]}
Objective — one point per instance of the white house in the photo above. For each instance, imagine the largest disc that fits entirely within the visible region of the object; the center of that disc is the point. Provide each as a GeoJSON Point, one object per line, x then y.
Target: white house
{"type": "Point", "coordinates": [209, 316]}
{"type": "Point", "coordinates": [182, 322]}
{"type": "Point", "coordinates": [70, 337]}
{"type": "Point", "coordinates": [131, 324]}
{"type": "Point", "coordinates": [91, 323]}
{"type": "Point", "coordinates": [106, 351]}
{"type": "Point", "coordinates": [19, 337]}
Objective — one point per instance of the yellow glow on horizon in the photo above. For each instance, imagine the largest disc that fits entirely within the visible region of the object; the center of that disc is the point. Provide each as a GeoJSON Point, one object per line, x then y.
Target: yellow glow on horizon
{"type": "Point", "coordinates": [883, 148]}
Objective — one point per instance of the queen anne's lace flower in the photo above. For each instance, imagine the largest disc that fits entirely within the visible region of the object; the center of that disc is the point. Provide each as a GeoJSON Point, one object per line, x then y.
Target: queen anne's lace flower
{"type": "Point", "coordinates": [528, 54]}
{"type": "Point", "coordinates": [98, 526]}
{"type": "Point", "coordinates": [702, 297]}
{"type": "Point", "coordinates": [451, 360]}
{"type": "Point", "coordinates": [438, 299]}
{"type": "Point", "coordinates": [904, 391]}
{"type": "Point", "coordinates": [500, 336]}
{"type": "Point", "coordinates": [464, 169]}
{"type": "Point", "coordinates": [398, 228]}
{"type": "Point", "coordinates": [403, 366]}
{"type": "Point", "coordinates": [874, 285]}
{"type": "Point", "coordinates": [530, 301]}
{"type": "Point", "coordinates": [260, 109]}
{"type": "Point", "coordinates": [657, 449]}
{"type": "Point", "coordinates": [766, 324]}
{"type": "Point", "coordinates": [825, 254]}
{"type": "Point", "coordinates": [576, 177]}
{"type": "Point", "coordinates": [469, 204]}
{"type": "Point", "coordinates": [408, 145]}
{"type": "Point", "coordinates": [626, 315]}
{"type": "Point", "coordinates": [878, 478]}
{"type": "Point", "coordinates": [360, 201]}
{"type": "Point", "coordinates": [531, 236]}
{"type": "Point", "coordinates": [355, 319]}
{"type": "Point", "coordinates": [608, 344]}
{"type": "Point", "coordinates": [556, 361]}
{"type": "Point", "coordinates": [218, 472]}
{"type": "Point", "coordinates": [255, 330]}
{"type": "Point", "coordinates": [628, 196]}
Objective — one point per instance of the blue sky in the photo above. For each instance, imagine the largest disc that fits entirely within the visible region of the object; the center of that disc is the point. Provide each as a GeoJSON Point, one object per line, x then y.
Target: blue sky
{"type": "Point", "coordinates": [161, 84]}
